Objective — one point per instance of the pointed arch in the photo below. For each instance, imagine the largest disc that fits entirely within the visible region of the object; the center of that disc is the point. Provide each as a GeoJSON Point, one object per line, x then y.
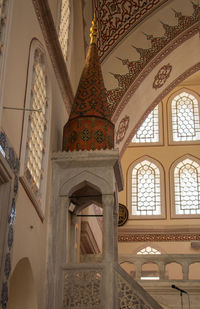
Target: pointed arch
{"type": "Point", "coordinates": [36, 127]}
{"type": "Point", "coordinates": [183, 117]}
{"type": "Point", "coordinates": [75, 183]}
{"type": "Point", "coordinates": [146, 189]}
{"type": "Point", "coordinates": [22, 287]}
{"type": "Point", "coordinates": [185, 187]}
{"type": "Point", "coordinates": [64, 20]}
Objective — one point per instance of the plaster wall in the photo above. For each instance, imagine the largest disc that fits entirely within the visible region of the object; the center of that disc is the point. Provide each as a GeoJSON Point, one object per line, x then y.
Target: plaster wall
{"type": "Point", "coordinates": [22, 287]}
{"type": "Point", "coordinates": [165, 154]}
{"type": "Point", "coordinates": [30, 238]}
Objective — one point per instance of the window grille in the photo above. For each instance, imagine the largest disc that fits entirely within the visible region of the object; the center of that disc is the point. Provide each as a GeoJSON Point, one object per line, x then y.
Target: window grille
{"type": "Point", "coordinates": [4, 17]}
{"type": "Point", "coordinates": [146, 199]}
{"type": "Point", "coordinates": [64, 26]}
{"type": "Point", "coordinates": [187, 187]}
{"type": "Point", "coordinates": [37, 125]}
{"type": "Point", "coordinates": [185, 118]}
{"type": "Point", "coordinates": [149, 130]}
{"type": "Point", "coordinates": [148, 250]}
{"type": "Point", "coordinates": [152, 272]}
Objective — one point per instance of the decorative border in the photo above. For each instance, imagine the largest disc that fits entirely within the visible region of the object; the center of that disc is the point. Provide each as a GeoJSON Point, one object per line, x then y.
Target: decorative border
{"type": "Point", "coordinates": [122, 128]}
{"type": "Point", "coordinates": [11, 157]}
{"type": "Point", "coordinates": [129, 237]}
{"type": "Point", "coordinates": [46, 22]}
{"type": "Point", "coordinates": [119, 21]}
{"type": "Point", "coordinates": [126, 94]}
{"type": "Point", "coordinates": [161, 96]}
{"type": "Point", "coordinates": [162, 76]}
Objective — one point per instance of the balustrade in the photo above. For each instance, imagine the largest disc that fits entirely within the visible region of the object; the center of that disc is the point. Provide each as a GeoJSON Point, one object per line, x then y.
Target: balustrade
{"type": "Point", "coordinates": [162, 260]}
{"type": "Point", "coordinates": [83, 288]}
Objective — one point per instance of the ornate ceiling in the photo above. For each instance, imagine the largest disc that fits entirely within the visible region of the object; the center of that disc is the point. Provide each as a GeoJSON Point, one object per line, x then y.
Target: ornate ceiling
{"type": "Point", "coordinates": [144, 51]}
{"type": "Point", "coordinates": [116, 18]}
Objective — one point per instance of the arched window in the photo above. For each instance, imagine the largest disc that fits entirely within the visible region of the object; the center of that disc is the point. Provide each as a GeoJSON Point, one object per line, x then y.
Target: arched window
{"type": "Point", "coordinates": [37, 121]}
{"type": "Point", "coordinates": [145, 186]}
{"type": "Point", "coordinates": [64, 23]}
{"type": "Point", "coordinates": [148, 250]}
{"type": "Point", "coordinates": [5, 21]}
{"type": "Point", "coordinates": [5, 8]}
{"type": "Point", "coordinates": [36, 126]}
{"type": "Point", "coordinates": [185, 117]}
{"type": "Point", "coordinates": [186, 178]}
{"type": "Point", "coordinates": [149, 131]}
{"type": "Point", "coordinates": [149, 270]}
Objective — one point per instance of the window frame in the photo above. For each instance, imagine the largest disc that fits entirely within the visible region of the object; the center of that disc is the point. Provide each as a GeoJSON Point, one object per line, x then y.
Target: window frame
{"type": "Point", "coordinates": [4, 41]}
{"type": "Point", "coordinates": [174, 215]}
{"type": "Point", "coordinates": [162, 190]}
{"type": "Point", "coordinates": [169, 114]}
{"type": "Point", "coordinates": [148, 246]}
{"type": "Point", "coordinates": [39, 205]}
{"type": "Point", "coordinates": [69, 39]}
{"type": "Point", "coordinates": [160, 129]}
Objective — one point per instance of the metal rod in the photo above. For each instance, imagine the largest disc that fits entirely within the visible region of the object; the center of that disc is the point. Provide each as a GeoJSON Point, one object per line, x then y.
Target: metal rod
{"type": "Point", "coordinates": [89, 215]}
{"type": "Point", "coordinates": [23, 109]}
{"type": "Point", "coordinates": [99, 195]}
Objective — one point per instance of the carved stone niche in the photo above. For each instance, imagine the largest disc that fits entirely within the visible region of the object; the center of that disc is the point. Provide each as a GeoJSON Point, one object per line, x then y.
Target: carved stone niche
{"type": "Point", "coordinates": [80, 179]}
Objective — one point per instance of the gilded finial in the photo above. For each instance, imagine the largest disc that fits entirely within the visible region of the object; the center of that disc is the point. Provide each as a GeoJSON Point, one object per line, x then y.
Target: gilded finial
{"type": "Point", "coordinates": [93, 30]}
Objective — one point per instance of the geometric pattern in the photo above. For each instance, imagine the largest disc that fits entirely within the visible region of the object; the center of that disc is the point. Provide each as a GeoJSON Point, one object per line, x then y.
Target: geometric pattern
{"type": "Point", "coordinates": [162, 76]}
{"type": "Point", "coordinates": [89, 126]}
{"type": "Point", "coordinates": [88, 133]}
{"type": "Point", "coordinates": [135, 67]}
{"type": "Point", "coordinates": [83, 289]}
{"type": "Point", "coordinates": [143, 237]}
{"type": "Point", "coordinates": [165, 92]}
{"type": "Point", "coordinates": [37, 124]}
{"type": "Point", "coordinates": [122, 128]}
{"type": "Point", "coordinates": [145, 189]}
{"type": "Point", "coordinates": [148, 132]}
{"type": "Point", "coordinates": [64, 24]}
{"type": "Point", "coordinates": [125, 16]}
{"type": "Point", "coordinates": [129, 296]}
{"type": "Point", "coordinates": [10, 156]}
{"type": "Point", "coordinates": [185, 118]}
{"type": "Point", "coordinates": [91, 98]}
{"type": "Point", "coordinates": [187, 187]}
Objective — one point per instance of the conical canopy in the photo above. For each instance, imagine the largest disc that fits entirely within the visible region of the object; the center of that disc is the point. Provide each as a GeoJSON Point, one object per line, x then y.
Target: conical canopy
{"type": "Point", "coordinates": [89, 126]}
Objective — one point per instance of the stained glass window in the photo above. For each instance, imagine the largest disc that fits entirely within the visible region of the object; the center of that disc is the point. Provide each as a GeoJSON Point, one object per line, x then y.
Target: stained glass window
{"type": "Point", "coordinates": [148, 250]}
{"type": "Point", "coordinates": [63, 33]}
{"type": "Point", "coordinates": [37, 124]}
{"type": "Point", "coordinates": [146, 199]}
{"type": "Point", "coordinates": [185, 118]}
{"type": "Point", "coordinates": [149, 130]}
{"type": "Point", "coordinates": [187, 187]}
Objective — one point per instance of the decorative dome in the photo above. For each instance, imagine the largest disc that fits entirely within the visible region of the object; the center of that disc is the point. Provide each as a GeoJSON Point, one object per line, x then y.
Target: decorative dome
{"type": "Point", "coordinates": [89, 126]}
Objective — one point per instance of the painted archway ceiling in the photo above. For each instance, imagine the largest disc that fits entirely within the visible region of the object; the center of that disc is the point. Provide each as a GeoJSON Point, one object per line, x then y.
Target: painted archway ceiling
{"type": "Point", "coordinates": [117, 18]}
{"type": "Point", "coordinates": [135, 38]}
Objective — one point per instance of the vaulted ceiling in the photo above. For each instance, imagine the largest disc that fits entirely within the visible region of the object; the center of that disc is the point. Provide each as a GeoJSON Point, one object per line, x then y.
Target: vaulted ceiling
{"type": "Point", "coordinates": [146, 48]}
